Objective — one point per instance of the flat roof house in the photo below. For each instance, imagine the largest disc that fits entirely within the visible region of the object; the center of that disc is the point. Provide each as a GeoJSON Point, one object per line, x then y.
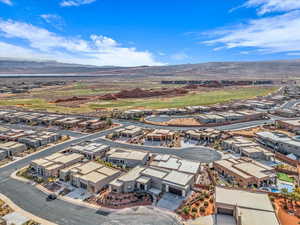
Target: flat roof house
{"type": "Point", "coordinates": [160, 135]}
{"type": "Point", "coordinates": [280, 142]}
{"type": "Point", "coordinates": [127, 158]}
{"type": "Point", "coordinates": [245, 172]}
{"type": "Point", "coordinates": [49, 120]}
{"type": "Point", "coordinates": [251, 114]}
{"type": "Point", "coordinates": [12, 148]}
{"type": "Point", "coordinates": [40, 139]}
{"type": "Point", "coordinates": [130, 131]}
{"type": "Point", "coordinates": [50, 165]}
{"type": "Point", "coordinates": [208, 134]}
{"type": "Point", "coordinates": [210, 118]}
{"type": "Point", "coordinates": [91, 150]}
{"type": "Point", "coordinates": [152, 179]}
{"type": "Point", "coordinates": [247, 208]}
{"type": "Point", "coordinates": [247, 147]}
{"type": "Point", "coordinates": [91, 176]}
{"type": "Point", "coordinates": [292, 124]}
{"type": "Point", "coordinates": [177, 164]}
{"type": "Point", "coordinates": [68, 122]}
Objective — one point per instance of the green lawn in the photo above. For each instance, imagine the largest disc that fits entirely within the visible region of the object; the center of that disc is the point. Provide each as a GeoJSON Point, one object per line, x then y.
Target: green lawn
{"type": "Point", "coordinates": [204, 98]}
{"type": "Point", "coordinates": [285, 177]}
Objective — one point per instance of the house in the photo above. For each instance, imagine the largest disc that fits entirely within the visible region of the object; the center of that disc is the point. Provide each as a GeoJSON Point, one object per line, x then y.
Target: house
{"type": "Point", "coordinates": [49, 120]}
{"type": "Point", "coordinates": [160, 135]}
{"type": "Point", "coordinates": [93, 124]}
{"type": "Point", "coordinates": [12, 148]}
{"type": "Point", "coordinates": [14, 134]}
{"type": "Point", "coordinates": [247, 147]}
{"type": "Point", "coordinates": [68, 122]}
{"type": "Point", "coordinates": [286, 113]}
{"type": "Point", "coordinates": [91, 176]}
{"type": "Point", "coordinates": [280, 142]}
{"type": "Point", "coordinates": [51, 165]}
{"type": "Point", "coordinates": [40, 139]}
{"type": "Point", "coordinates": [208, 134]}
{"type": "Point", "coordinates": [129, 131]}
{"type": "Point", "coordinates": [127, 158]}
{"type": "Point", "coordinates": [91, 150]}
{"type": "Point", "coordinates": [177, 164]}
{"type": "Point", "coordinates": [291, 124]}
{"type": "Point", "coordinates": [155, 180]}
{"type": "Point", "coordinates": [251, 114]}
{"type": "Point", "coordinates": [245, 172]}
{"type": "Point", "coordinates": [246, 207]}
{"type": "Point", "coordinates": [132, 114]}
{"type": "Point", "coordinates": [210, 118]}
{"type": "Point", "coordinates": [231, 116]}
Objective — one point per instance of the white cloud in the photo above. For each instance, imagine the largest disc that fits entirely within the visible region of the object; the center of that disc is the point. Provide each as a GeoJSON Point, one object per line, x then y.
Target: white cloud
{"type": "Point", "coordinates": [68, 3]}
{"type": "Point", "coordinates": [268, 6]}
{"type": "Point", "coordinates": [97, 50]}
{"type": "Point", "coordinates": [269, 35]}
{"type": "Point", "coordinates": [54, 20]}
{"type": "Point", "coordinates": [7, 2]}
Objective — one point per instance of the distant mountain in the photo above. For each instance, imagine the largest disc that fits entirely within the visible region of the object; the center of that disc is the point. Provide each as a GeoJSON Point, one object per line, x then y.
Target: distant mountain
{"type": "Point", "coordinates": [213, 70]}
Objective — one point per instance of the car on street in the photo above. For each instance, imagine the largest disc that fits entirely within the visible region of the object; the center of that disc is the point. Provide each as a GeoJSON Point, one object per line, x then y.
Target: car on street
{"type": "Point", "coordinates": [51, 197]}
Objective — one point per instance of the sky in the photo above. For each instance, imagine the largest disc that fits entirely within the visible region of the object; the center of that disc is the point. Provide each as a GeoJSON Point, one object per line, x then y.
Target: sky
{"type": "Point", "coordinates": [149, 32]}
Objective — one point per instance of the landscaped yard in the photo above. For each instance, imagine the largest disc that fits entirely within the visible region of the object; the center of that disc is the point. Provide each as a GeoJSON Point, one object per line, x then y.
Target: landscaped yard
{"type": "Point", "coordinates": [285, 177]}
{"type": "Point", "coordinates": [197, 205]}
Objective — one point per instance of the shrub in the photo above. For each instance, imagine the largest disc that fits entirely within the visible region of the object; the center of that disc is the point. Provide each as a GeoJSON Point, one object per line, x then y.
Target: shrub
{"type": "Point", "coordinates": [186, 210]}
{"type": "Point", "coordinates": [202, 209]}
{"type": "Point", "coordinates": [206, 203]}
{"type": "Point", "coordinates": [201, 198]}
{"type": "Point", "coordinates": [206, 195]}
{"type": "Point", "coordinates": [211, 200]}
{"type": "Point", "coordinates": [194, 209]}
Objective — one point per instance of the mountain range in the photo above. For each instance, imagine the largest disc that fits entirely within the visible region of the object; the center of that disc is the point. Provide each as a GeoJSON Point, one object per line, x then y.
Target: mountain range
{"type": "Point", "coordinates": [281, 69]}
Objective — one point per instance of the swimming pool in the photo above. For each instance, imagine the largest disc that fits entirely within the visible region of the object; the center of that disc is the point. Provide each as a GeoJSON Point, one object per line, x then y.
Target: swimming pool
{"type": "Point", "coordinates": [280, 186]}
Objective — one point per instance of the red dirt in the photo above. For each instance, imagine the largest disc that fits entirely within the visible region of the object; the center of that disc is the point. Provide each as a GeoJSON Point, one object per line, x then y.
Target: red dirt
{"type": "Point", "coordinates": [72, 99]}
{"type": "Point", "coordinates": [134, 93]}
{"type": "Point", "coordinates": [284, 217]}
{"type": "Point", "coordinates": [140, 93]}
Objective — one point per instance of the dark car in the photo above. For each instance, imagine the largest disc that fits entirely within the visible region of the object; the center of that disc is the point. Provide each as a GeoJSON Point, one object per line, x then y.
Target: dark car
{"type": "Point", "coordinates": [51, 197]}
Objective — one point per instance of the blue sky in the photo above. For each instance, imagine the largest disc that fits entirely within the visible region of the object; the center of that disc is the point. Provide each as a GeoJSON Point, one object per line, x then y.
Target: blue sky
{"type": "Point", "coordinates": [144, 32]}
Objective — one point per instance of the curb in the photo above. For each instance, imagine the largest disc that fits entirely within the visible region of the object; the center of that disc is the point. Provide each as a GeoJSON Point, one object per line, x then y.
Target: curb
{"type": "Point", "coordinates": [25, 213]}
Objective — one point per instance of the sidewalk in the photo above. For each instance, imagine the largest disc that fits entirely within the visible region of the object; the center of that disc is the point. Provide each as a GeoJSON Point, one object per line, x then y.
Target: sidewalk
{"type": "Point", "coordinates": [23, 212]}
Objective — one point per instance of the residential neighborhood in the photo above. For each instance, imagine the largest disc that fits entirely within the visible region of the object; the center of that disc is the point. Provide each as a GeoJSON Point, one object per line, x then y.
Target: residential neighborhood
{"type": "Point", "coordinates": [195, 172]}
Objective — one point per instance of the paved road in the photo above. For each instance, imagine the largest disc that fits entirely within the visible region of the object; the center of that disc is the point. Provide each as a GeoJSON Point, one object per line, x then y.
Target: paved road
{"type": "Point", "coordinates": [64, 213]}
{"type": "Point", "coordinates": [290, 104]}
{"type": "Point", "coordinates": [201, 154]}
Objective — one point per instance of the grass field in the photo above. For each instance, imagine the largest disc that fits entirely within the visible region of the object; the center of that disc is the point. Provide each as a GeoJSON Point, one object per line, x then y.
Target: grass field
{"type": "Point", "coordinates": [200, 98]}
{"type": "Point", "coordinates": [41, 104]}
{"type": "Point", "coordinates": [203, 98]}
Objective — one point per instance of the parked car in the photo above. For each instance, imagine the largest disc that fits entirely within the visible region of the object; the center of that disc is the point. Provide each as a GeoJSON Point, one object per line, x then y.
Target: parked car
{"type": "Point", "coordinates": [51, 197]}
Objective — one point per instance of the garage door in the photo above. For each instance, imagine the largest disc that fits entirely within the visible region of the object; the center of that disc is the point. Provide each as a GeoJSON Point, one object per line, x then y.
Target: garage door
{"type": "Point", "coordinates": [225, 211]}
{"type": "Point", "coordinates": [175, 191]}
